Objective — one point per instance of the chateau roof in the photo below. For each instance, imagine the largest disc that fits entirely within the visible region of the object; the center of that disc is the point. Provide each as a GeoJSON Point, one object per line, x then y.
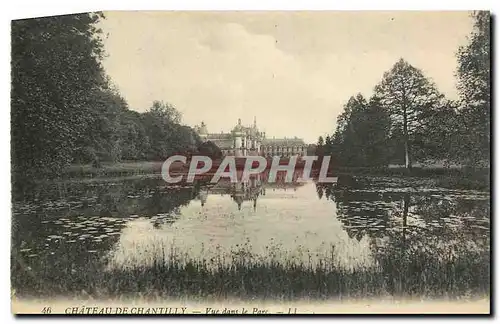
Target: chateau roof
{"type": "Point", "coordinates": [283, 141]}
{"type": "Point", "coordinates": [218, 136]}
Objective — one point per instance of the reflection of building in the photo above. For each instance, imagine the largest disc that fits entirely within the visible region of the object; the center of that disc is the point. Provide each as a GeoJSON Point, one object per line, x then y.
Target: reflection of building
{"type": "Point", "coordinates": [249, 190]}
{"type": "Point", "coordinates": [240, 191]}
{"type": "Point", "coordinates": [248, 140]}
{"type": "Point", "coordinates": [246, 191]}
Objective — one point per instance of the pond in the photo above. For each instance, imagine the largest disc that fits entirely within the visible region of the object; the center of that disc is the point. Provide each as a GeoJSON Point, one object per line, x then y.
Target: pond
{"type": "Point", "coordinates": [384, 236]}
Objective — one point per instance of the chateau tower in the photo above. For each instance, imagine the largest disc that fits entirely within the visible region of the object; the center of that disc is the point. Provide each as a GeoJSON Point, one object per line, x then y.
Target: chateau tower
{"type": "Point", "coordinates": [203, 132]}
{"type": "Point", "coordinates": [239, 149]}
{"type": "Point", "coordinates": [248, 140]}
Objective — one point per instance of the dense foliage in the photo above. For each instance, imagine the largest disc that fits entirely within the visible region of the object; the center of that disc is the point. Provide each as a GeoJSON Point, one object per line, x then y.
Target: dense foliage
{"type": "Point", "coordinates": [65, 110]}
{"type": "Point", "coordinates": [474, 85]}
{"type": "Point", "coordinates": [408, 120]}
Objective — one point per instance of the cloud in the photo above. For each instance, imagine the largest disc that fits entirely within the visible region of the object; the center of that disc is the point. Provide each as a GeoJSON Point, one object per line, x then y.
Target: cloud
{"type": "Point", "coordinates": [293, 72]}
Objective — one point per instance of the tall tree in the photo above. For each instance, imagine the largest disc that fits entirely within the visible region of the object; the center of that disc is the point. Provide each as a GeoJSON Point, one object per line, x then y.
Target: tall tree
{"type": "Point", "coordinates": [474, 65]}
{"type": "Point", "coordinates": [328, 145]}
{"type": "Point", "coordinates": [56, 75]}
{"type": "Point", "coordinates": [376, 130]}
{"type": "Point", "coordinates": [438, 138]}
{"type": "Point", "coordinates": [321, 142]}
{"type": "Point", "coordinates": [320, 148]}
{"type": "Point", "coordinates": [362, 131]}
{"type": "Point", "coordinates": [134, 140]}
{"type": "Point", "coordinates": [65, 110]}
{"type": "Point", "coordinates": [102, 139]}
{"type": "Point", "coordinates": [350, 130]}
{"type": "Point", "coordinates": [161, 124]}
{"type": "Point", "coordinates": [208, 148]}
{"type": "Point", "coordinates": [166, 111]}
{"type": "Point", "coordinates": [409, 97]}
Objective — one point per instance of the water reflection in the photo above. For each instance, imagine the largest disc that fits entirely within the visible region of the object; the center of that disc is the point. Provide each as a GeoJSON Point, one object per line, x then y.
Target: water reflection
{"type": "Point", "coordinates": [368, 222]}
{"type": "Point", "coordinates": [245, 221]}
{"type": "Point", "coordinates": [62, 227]}
{"type": "Point", "coordinates": [408, 222]}
{"type": "Point", "coordinates": [380, 210]}
{"type": "Point", "coordinates": [248, 190]}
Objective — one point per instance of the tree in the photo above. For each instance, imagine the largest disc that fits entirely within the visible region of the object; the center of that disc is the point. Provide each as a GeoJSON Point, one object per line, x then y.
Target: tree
{"type": "Point", "coordinates": [103, 137]}
{"type": "Point", "coordinates": [320, 141]}
{"type": "Point", "coordinates": [166, 135]}
{"type": "Point", "coordinates": [349, 132]}
{"type": "Point", "coordinates": [209, 149]}
{"type": "Point", "coordinates": [376, 129]}
{"type": "Point", "coordinates": [439, 138]}
{"type": "Point", "coordinates": [134, 140]}
{"type": "Point", "coordinates": [65, 109]}
{"type": "Point", "coordinates": [362, 132]}
{"type": "Point", "coordinates": [184, 138]}
{"type": "Point", "coordinates": [311, 149]}
{"type": "Point", "coordinates": [410, 99]}
{"type": "Point", "coordinates": [166, 111]}
{"type": "Point", "coordinates": [320, 149]}
{"type": "Point", "coordinates": [56, 76]}
{"type": "Point", "coordinates": [328, 145]}
{"type": "Point", "coordinates": [474, 88]}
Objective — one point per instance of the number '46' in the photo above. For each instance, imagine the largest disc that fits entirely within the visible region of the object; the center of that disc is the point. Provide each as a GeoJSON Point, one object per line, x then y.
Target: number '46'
{"type": "Point", "coordinates": [46, 310]}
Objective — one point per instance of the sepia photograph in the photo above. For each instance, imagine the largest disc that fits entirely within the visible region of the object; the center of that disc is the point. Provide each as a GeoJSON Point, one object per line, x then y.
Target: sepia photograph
{"type": "Point", "coordinates": [251, 163]}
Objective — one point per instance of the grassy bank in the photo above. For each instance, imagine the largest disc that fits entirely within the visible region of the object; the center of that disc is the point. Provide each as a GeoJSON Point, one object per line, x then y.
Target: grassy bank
{"type": "Point", "coordinates": [452, 178]}
{"type": "Point", "coordinates": [113, 169]}
{"type": "Point", "coordinates": [411, 275]}
{"type": "Point", "coordinates": [466, 178]}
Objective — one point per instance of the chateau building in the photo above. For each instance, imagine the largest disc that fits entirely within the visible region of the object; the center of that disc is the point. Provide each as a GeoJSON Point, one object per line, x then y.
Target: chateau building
{"type": "Point", "coordinates": [251, 189]}
{"type": "Point", "coordinates": [248, 140]}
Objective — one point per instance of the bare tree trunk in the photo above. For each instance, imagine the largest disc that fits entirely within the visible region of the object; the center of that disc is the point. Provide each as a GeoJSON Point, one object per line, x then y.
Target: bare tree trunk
{"type": "Point", "coordinates": [405, 135]}
{"type": "Point", "coordinates": [406, 205]}
{"type": "Point", "coordinates": [407, 155]}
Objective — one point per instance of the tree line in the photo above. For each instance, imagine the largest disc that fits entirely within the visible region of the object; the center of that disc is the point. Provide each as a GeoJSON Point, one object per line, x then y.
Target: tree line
{"type": "Point", "coordinates": [408, 120]}
{"type": "Point", "coordinates": [65, 109]}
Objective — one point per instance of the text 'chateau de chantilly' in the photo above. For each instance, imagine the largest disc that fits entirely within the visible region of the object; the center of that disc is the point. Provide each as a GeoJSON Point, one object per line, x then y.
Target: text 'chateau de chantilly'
{"type": "Point", "coordinates": [248, 140]}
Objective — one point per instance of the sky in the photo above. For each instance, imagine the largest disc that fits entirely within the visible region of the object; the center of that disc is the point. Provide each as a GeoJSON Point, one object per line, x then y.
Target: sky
{"type": "Point", "coordinates": [293, 71]}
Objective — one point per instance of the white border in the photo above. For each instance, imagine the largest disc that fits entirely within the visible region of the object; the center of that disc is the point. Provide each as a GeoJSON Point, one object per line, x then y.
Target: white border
{"type": "Point", "coordinates": [24, 8]}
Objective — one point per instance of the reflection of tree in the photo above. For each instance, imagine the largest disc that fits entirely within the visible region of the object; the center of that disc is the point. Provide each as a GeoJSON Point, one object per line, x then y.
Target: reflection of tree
{"type": "Point", "coordinates": [450, 216]}
{"type": "Point", "coordinates": [41, 266]}
{"type": "Point", "coordinates": [319, 190]}
{"type": "Point", "coordinates": [419, 239]}
{"type": "Point", "coordinates": [52, 209]}
{"type": "Point", "coordinates": [361, 213]}
{"type": "Point", "coordinates": [145, 197]}
{"type": "Point", "coordinates": [443, 250]}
